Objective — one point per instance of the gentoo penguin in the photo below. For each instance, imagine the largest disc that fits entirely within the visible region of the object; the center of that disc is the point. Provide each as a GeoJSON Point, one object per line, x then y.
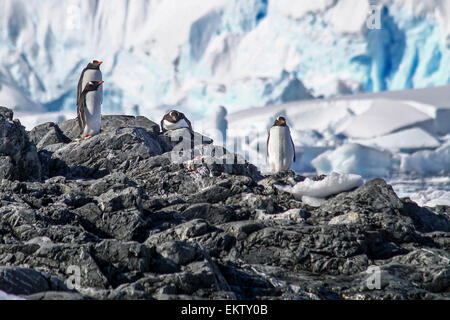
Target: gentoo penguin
{"type": "Point", "coordinates": [89, 109]}
{"type": "Point", "coordinates": [280, 147]}
{"type": "Point", "coordinates": [175, 120]}
{"type": "Point", "coordinates": [90, 73]}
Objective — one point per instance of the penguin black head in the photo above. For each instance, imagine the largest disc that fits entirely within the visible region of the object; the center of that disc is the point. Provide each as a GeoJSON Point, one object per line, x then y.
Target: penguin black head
{"type": "Point", "coordinates": [94, 65]}
{"type": "Point", "coordinates": [280, 122]}
{"type": "Point", "coordinates": [174, 116]}
{"type": "Point", "coordinates": [93, 85]}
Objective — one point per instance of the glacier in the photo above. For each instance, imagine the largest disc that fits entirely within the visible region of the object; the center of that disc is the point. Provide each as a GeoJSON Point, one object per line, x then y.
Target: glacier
{"type": "Point", "coordinates": [201, 54]}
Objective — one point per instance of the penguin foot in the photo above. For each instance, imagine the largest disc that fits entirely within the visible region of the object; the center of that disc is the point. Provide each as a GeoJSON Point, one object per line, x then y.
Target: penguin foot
{"type": "Point", "coordinates": [87, 137]}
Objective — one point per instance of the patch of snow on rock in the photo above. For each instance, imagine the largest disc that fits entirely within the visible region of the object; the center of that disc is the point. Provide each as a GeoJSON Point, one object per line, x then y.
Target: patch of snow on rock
{"type": "Point", "coordinates": [335, 183]}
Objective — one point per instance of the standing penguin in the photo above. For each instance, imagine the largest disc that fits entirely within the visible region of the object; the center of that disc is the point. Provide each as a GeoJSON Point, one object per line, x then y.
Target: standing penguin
{"type": "Point", "coordinates": [89, 109]}
{"type": "Point", "coordinates": [90, 73]}
{"type": "Point", "coordinates": [280, 147]}
{"type": "Point", "coordinates": [175, 120]}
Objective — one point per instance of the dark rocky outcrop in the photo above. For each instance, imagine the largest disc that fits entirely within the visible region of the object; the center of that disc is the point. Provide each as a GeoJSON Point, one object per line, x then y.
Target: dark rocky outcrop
{"type": "Point", "coordinates": [71, 130]}
{"type": "Point", "coordinates": [143, 219]}
{"type": "Point", "coordinates": [18, 156]}
{"type": "Point", "coordinates": [24, 281]}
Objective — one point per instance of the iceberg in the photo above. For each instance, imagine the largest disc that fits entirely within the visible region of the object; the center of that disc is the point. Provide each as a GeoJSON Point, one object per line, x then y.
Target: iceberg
{"type": "Point", "coordinates": [354, 158]}
{"type": "Point", "coordinates": [408, 140]}
{"type": "Point", "coordinates": [428, 162]}
{"type": "Point", "coordinates": [384, 117]}
{"type": "Point", "coordinates": [431, 198]}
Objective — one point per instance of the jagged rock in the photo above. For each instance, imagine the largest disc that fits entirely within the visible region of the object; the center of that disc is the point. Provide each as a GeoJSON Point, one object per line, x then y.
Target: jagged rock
{"type": "Point", "coordinates": [246, 283]}
{"type": "Point", "coordinates": [182, 232]}
{"type": "Point", "coordinates": [184, 139]}
{"type": "Point", "coordinates": [347, 218]}
{"type": "Point", "coordinates": [55, 295]}
{"type": "Point", "coordinates": [122, 262]}
{"type": "Point", "coordinates": [212, 213]}
{"type": "Point", "coordinates": [22, 281]}
{"type": "Point", "coordinates": [47, 134]}
{"type": "Point", "coordinates": [6, 113]}
{"type": "Point", "coordinates": [19, 158]}
{"type": "Point", "coordinates": [198, 279]}
{"type": "Point", "coordinates": [125, 224]}
{"type": "Point", "coordinates": [103, 153]}
{"type": "Point", "coordinates": [55, 259]}
{"type": "Point", "coordinates": [71, 129]}
{"type": "Point", "coordinates": [7, 168]}
{"type": "Point", "coordinates": [143, 220]}
{"type": "Point", "coordinates": [305, 248]}
{"type": "Point", "coordinates": [127, 293]}
{"type": "Point", "coordinates": [374, 196]}
{"type": "Point", "coordinates": [295, 215]}
{"type": "Point", "coordinates": [180, 253]}
{"type": "Point", "coordinates": [241, 229]}
{"type": "Point", "coordinates": [424, 219]}
{"type": "Point", "coordinates": [52, 222]}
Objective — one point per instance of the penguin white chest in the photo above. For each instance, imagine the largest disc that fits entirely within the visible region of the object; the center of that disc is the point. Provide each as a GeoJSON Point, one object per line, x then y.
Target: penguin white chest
{"type": "Point", "coordinates": [93, 112]}
{"type": "Point", "coordinates": [280, 149]}
{"type": "Point", "coordinates": [92, 75]}
{"type": "Point", "coordinates": [173, 126]}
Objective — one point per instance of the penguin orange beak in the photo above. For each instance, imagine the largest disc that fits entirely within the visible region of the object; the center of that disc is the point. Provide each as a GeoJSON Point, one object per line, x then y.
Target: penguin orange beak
{"type": "Point", "coordinates": [101, 82]}
{"type": "Point", "coordinates": [100, 63]}
{"type": "Point", "coordinates": [283, 122]}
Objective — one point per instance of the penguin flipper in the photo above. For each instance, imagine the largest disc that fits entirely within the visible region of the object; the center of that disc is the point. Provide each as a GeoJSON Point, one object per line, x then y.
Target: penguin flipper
{"type": "Point", "coordinates": [188, 122]}
{"type": "Point", "coordinates": [162, 126]}
{"type": "Point", "coordinates": [293, 146]}
{"type": "Point", "coordinates": [81, 114]}
{"type": "Point", "coordinates": [79, 88]}
{"type": "Point", "coordinates": [267, 149]}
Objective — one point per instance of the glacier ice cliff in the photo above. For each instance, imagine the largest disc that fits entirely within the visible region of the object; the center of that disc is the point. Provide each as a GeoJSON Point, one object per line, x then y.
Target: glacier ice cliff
{"type": "Point", "coordinates": [202, 54]}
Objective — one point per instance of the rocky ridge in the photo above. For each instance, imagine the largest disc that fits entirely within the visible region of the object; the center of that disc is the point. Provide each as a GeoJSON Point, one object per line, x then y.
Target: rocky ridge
{"type": "Point", "coordinates": [140, 219]}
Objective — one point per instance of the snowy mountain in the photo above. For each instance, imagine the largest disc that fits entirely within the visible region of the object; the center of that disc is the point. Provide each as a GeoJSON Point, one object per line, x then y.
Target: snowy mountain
{"type": "Point", "coordinates": [201, 54]}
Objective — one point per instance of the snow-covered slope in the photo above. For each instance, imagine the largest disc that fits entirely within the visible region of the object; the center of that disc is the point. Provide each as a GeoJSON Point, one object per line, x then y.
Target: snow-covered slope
{"type": "Point", "coordinates": [200, 54]}
{"type": "Point", "coordinates": [408, 140]}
